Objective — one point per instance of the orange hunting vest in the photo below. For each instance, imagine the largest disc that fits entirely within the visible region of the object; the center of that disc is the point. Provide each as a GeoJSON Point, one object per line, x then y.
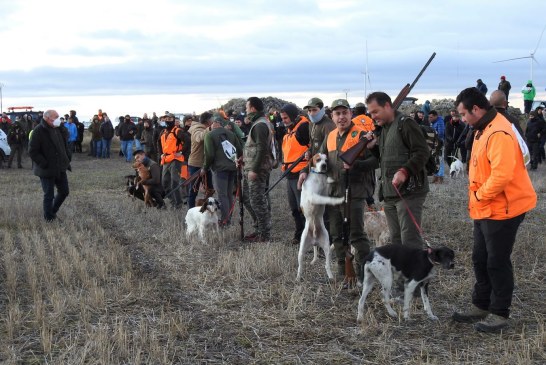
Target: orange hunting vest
{"type": "Point", "coordinates": [171, 148]}
{"type": "Point", "coordinates": [353, 136]}
{"type": "Point", "coordinates": [292, 150]}
{"type": "Point", "coordinates": [365, 122]}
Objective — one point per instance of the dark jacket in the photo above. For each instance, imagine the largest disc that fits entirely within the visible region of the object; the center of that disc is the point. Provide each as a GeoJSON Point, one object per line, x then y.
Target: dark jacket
{"type": "Point", "coordinates": [215, 157]}
{"type": "Point", "coordinates": [127, 131]}
{"type": "Point", "coordinates": [94, 128]}
{"type": "Point", "coordinates": [155, 174]}
{"type": "Point", "coordinates": [453, 131]}
{"type": "Point", "coordinates": [107, 129]}
{"type": "Point", "coordinates": [402, 144]}
{"type": "Point", "coordinates": [49, 151]}
{"type": "Point", "coordinates": [536, 127]}
{"type": "Point", "coordinates": [16, 134]}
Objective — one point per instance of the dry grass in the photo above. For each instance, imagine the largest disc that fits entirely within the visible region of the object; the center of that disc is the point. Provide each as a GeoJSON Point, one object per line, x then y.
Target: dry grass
{"type": "Point", "coordinates": [118, 283]}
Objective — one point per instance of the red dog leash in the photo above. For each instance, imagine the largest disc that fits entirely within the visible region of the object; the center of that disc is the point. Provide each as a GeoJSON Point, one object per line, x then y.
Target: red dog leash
{"type": "Point", "coordinates": [412, 216]}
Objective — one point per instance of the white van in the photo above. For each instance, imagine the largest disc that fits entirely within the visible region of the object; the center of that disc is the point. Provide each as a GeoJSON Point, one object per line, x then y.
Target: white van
{"type": "Point", "coordinates": [5, 150]}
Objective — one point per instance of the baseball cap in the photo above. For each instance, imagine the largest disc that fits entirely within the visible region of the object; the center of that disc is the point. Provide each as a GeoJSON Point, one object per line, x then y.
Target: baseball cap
{"type": "Point", "coordinates": [168, 115]}
{"type": "Point", "coordinates": [315, 103]}
{"type": "Point", "coordinates": [340, 103]}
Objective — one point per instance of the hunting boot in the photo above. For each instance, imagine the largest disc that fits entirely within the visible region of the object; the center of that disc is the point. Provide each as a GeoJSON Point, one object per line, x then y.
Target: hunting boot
{"type": "Point", "coordinates": [492, 323]}
{"type": "Point", "coordinates": [473, 314]}
{"type": "Point", "coordinates": [341, 269]}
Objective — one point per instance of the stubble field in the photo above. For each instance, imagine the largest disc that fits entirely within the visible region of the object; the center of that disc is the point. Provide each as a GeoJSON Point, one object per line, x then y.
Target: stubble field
{"type": "Point", "coordinates": [115, 282]}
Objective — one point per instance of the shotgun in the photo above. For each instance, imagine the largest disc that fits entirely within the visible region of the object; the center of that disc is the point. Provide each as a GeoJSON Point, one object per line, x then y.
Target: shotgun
{"type": "Point", "coordinates": [350, 276]}
{"type": "Point", "coordinates": [288, 170]}
{"type": "Point", "coordinates": [352, 153]}
{"type": "Point", "coordinates": [241, 205]}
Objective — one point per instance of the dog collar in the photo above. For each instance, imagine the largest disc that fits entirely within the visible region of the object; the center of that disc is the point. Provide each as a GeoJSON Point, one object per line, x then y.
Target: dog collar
{"type": "Point", "coordinates": [316, 172]}
{"type": "Point", "coordinates": [429, 252]}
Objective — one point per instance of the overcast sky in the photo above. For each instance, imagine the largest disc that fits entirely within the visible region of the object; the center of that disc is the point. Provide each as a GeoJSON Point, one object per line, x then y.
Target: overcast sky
{"type": "Point", "coordinates": [183, 56]}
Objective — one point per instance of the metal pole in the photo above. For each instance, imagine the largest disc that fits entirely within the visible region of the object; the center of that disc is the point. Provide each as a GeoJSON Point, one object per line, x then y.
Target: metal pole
{"type": "Point", "coordinates": [1, 104]}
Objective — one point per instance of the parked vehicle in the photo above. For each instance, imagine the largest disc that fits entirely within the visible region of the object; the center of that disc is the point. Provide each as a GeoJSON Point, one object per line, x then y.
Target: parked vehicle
{"type": "Point", "coordinates": [5, 149]}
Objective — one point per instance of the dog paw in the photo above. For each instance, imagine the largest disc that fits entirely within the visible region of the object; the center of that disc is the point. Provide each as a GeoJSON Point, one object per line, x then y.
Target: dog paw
{"type": "Point", "coordinates": [330, 180]}
{"type": "Point", "coordinates": [392, 313]}
{"type": "Point", "coordinates": [433, 317]}
{"type": "Point", "coordinates": [359, 318]}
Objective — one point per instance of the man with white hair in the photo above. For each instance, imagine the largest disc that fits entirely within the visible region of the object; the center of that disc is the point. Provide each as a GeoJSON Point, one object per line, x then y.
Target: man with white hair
{"type": "Point", "coordinates": [48, 149]}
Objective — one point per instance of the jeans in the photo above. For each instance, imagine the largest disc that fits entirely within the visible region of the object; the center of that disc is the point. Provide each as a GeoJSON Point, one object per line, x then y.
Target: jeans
{"type": "Point", "coordinates": [224, 181]}
{"type": "Point", "coordinates": [106, 143]}
{"type": "Point", "coordinates": [53, 203]}
{"type": "Point", "coordinates": [138, 145]}
{"type": "Point", "coordinates": [441, 169]}
{"type": "Point", "coordinates": [493, 243]}
{"type": "Point", "coordinates": [127, 149]}
{"type": "Point", "coordinates": [97, 148]}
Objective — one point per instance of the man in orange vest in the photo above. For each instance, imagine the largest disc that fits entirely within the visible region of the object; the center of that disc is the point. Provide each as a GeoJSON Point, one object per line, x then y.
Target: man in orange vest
{"type": "Point", "coordinates": [361, 119]}
{"type": "Point", "coordinates": [361, 181]}
{"type": "Point", "coordinates": [294, 144]}
{"type": "Point", "coordinates": [172, 159]}
{"type": "Point", "coordinates": [500, 193]}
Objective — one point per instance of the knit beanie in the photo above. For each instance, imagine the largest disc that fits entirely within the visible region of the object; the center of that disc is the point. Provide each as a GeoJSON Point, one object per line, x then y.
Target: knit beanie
{"type": "Point", "coordinates": [291, 110]}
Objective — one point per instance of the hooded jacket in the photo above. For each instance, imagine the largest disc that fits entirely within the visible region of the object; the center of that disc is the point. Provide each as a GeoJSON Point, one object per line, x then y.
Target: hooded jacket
{"type": "Point", "coordinates": [529, 92]}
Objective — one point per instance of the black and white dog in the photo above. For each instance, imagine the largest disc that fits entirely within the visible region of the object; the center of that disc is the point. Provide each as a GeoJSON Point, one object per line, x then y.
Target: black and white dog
{"type": "Point", "coordinates": [414, 265]}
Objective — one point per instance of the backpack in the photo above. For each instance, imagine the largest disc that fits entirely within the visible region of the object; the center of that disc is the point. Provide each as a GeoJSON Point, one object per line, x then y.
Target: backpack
{"type": "Point", "coordinates": [434, 144]}
{"type": "Point", "coordinates": [229, 149]}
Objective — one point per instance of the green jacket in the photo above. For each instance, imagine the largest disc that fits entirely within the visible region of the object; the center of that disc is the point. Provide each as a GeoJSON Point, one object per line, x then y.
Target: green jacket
{"type": "Point", "coordinates": [402, 144]}
{"type": "Point", "coordinates": [529, 92]}
{"type": "Point", "coordinates": [215, 157]}
{"type": "Point", "coordinates": [257, 154]}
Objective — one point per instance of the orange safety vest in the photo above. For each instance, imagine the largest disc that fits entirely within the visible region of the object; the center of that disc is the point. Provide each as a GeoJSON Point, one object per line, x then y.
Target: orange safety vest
{"type": "Point", "coordinates": [353, 136]}
{"type": "Point", "coordinates": [365, 122]}
{"type": "Point", "coordinates": [171, 150]}
{"type": "Point", "coordinates": [292, 149]}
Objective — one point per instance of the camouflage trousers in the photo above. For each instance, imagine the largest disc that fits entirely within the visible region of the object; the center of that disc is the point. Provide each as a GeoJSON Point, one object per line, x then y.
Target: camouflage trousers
{"type": "Point", "coordinates": [257, 203]}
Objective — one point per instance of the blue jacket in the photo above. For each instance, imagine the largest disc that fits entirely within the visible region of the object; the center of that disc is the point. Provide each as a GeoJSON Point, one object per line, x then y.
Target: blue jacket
{"type": "Point", "coordinates": [440, 126]}
{"type": "Point", "coordinates": [72, 131]}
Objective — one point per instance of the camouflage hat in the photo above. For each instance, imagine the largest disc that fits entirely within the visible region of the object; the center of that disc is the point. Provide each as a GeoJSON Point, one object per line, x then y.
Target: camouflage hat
{"type": "Point", "coordinates": [340, 102]}
{"type": "Point", "coordinates": [314, 103]}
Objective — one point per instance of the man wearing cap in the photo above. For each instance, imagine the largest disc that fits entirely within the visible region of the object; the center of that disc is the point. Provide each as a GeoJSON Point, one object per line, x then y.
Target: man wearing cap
{"type": "Point", "coordinates": [504, 86]}
{"type": "Point", "coordinates": [295, 143]}
{"type": "Point", "coordinates": [154, 182]}
{"type": "Point", "coordinates": [361, 119]}
{"type": "Point", "coordinates": [126, 133]}
{"type": "Point", "coordinates": [222, 148]}
{"type": "Point", "coordinates": [481, 86]}
{"type": "Point", "coordinates": [321, 125]}
{"type": "Point", "coordinates": [403, 152]}
{"type": "Point", "coordinates": [172, 159]}
{"type": "Point", "coordinates": [361, 181]}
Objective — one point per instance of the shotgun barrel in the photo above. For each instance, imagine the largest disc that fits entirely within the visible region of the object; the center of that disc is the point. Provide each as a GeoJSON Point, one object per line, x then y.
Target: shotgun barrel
{"type": "Point", "coordinates": [352, 153]}
{"type": "Point", "coordinates": [288, 170]}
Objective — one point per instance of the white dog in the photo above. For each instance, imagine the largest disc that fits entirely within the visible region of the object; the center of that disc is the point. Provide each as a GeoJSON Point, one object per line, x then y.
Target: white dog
{"type": "Point", "coordinates": [313, 199]}
{"type": "Point", "coordinates": [203, 218]}
{"type": "Point", "coordinates": [456, 167]}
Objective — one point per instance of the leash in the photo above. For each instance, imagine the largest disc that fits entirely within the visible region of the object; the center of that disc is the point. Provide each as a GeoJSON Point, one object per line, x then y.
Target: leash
{"type": "Point", "coordinates": [419, 229]}
{"type": "Point", "coordinates": [237, 192]}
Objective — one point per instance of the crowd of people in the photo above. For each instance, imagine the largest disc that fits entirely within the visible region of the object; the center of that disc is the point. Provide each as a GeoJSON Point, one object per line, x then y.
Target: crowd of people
{"type": "Point", "coordinates": [210, 151]}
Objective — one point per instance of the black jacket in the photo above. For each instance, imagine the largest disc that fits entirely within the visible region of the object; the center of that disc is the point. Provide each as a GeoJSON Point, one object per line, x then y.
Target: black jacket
{"type": "Point", "coordinates": [48, 150]}
{"type": "Point", "coordinates": [536, 127]}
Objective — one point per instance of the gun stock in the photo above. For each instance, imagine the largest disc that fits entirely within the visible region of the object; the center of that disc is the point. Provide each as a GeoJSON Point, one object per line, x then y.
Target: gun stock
{"type": "Point", "coordinates": [350, 276]}
{"type": "Point", "coordinates": [352, 153]}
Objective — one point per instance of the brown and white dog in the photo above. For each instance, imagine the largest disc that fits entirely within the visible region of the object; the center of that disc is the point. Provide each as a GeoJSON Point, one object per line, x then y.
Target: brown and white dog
{"type": "Point", "coordinates": [143, 174]}
{"type": "Point", "coordinates": [375, 225]}
{"type": "Point", "coordinates": [203, 218]}
{"type": "Point", "coordinates": [312, 203]}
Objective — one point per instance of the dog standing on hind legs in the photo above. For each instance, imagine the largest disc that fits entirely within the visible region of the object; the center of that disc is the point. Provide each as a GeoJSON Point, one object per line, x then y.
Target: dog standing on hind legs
{"type": "Point", "coordinates": [416, 266]}
{"type": "Point", "coordinates": [313, 200]}
{"type": "Point", "coordinates": [143, 174]}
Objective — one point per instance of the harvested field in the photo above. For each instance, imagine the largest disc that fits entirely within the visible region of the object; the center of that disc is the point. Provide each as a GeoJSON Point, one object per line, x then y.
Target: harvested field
{"type": "Point", "coordinates": [115, 282]}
